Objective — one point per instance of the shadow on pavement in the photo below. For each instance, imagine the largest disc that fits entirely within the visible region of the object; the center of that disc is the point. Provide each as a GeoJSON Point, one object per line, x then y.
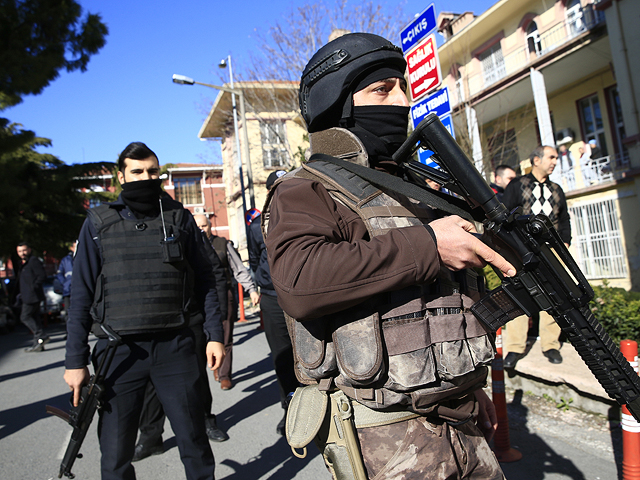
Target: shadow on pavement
{"type": "Point", "coordinates": [15, 419]}
{"type": "Point", "coordinates": [539, 459]}
{"type": "Point", "coordinates": [277, 457]}
{"type": "Point", "coordinates": [11, 376]}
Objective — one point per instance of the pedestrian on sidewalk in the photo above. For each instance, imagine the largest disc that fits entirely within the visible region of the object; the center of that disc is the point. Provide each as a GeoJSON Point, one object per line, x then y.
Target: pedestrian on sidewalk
{"type": "Point", "coordinates": [64, 275]}
{"type": "Point", "coordinates": [233, 268]}
{"type": "Point", "coordinates": [30, 280]}
{"type": "Point", "coordinates": [275, 325]}
{"type": "Point", "coordinates": [139, 263]}
{"type": "Point", "coordinates": [535, 193]}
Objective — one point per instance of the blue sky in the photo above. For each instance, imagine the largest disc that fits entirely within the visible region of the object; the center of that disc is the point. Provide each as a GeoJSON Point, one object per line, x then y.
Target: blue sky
{"type": "Point", "coordinates": [127, 93]}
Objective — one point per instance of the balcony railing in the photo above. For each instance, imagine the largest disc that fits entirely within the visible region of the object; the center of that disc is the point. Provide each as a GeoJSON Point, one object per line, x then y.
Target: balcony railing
{"type": "Point", "coordinates": [579, 21]}
{"type": "Point", "coordinates": [591, 172]}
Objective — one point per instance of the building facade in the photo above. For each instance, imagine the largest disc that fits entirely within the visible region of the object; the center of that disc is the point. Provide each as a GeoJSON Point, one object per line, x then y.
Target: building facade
{"type": "Point", "coordinates": [529, 72]}
{"type": "Point", "coordinates": [201, 189]}
{"type": "Point", "coordinates": [271, 136]}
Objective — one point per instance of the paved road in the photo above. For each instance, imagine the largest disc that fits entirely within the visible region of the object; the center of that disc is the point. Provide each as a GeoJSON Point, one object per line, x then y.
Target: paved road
{"type": "Point", "coordinates": [557, 445]}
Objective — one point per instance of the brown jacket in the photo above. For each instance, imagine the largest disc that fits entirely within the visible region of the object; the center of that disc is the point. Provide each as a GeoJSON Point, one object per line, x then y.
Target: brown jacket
{"type": "Point", "coordinates": [321, 257]}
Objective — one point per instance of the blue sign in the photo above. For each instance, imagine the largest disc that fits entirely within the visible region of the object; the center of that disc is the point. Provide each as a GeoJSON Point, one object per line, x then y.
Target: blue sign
{"type": "Point", "coordinates": [438, 103]}
{"type": "Point", "coordinates": [423, 25]}
{"type": "Point", "coordinates": [424, 156]}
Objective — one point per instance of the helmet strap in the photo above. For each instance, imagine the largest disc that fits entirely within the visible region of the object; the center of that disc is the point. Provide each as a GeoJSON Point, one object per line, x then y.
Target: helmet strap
{"type": "Point", "coordinates": [346, 120]}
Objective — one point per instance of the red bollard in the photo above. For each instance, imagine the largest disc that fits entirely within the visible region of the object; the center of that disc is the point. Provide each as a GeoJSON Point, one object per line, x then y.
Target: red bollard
{"type": "Point", "coordinates": [241, 303]}
{"type": "Point", "coordinates": [630, 427]}
{"type": "Point", "coordinates": [501, 443]}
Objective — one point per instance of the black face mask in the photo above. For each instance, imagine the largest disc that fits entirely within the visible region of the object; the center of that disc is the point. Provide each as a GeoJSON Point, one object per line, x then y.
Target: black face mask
{"type": "Point", "coordinates": [142, 196]}
{"type": "Point", "coordinates": [382, 129]}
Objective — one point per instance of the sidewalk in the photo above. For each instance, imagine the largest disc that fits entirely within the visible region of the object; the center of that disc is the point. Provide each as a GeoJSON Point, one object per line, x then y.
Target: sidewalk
{"type": "Point", "coordinates": [569, 381]}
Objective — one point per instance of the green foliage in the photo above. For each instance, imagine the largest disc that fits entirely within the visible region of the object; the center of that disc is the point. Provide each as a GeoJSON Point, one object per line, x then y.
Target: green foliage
{"type": "Point", "coordinates": [41, 202]}
{"type": "Point", "coordinates": [39, 38]}
{"type": "Point", "coordinates": [491, 278]}
{"type": "Point", "coordinates": [618, 311]}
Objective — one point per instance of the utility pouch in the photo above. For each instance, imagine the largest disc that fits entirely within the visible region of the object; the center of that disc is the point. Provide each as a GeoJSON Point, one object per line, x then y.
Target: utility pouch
{"type": "Point", "coordinates": [333, 430]}
{"type": "Point", "coordinates": [171, 250]}
{"type": "Point", "coordinates": [305, 415]}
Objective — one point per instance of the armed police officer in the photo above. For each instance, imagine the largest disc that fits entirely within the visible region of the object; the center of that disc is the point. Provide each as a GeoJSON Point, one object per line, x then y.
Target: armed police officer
{"type": "Point", "coordinates": [377, 287]}
{"type": "Point", "coordinates": [139, 262]}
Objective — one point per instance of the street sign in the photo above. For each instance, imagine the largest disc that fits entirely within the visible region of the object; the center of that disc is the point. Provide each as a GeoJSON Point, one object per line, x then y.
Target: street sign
{"type": "Point", "coordinates": [424, 156]}
{"type": "Point", "coordinates": [424, 68]}
{"type": "Point", "coordinates": [437, 103]}
{"type": "Point", "coordinates": [423, 25]}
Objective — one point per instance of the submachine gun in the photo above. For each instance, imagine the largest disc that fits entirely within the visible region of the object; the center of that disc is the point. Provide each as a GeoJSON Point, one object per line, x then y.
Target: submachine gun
{"type": "Point", "coordinates": [80, 417]}
{"type": "Point", "coordinates": [547, 278]}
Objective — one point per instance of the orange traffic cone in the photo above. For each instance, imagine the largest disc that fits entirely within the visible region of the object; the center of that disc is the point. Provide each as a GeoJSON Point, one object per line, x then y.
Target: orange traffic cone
{"type": "Point", "coordinates": [501, 443]}
{"type": "Point", "coordinates": [630, 427]}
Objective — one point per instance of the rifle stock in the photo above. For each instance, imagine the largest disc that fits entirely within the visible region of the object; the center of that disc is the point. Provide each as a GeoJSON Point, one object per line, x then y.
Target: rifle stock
{"type": "Point", "coordinates": [547, 277]}
{"type": "Point", "coordinates": [80, 417]}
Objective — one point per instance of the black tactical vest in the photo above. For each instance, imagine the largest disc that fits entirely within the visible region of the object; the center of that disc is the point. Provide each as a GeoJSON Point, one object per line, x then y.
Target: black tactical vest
{"type": "Point", "coordinates": [137, 290]}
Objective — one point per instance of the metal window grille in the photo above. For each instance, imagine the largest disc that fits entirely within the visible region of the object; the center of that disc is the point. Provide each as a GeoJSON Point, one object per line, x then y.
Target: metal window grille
{"type": "Point", "coordinates": [598, 240]}
{"type": "Point", "coordinates": [493, 67]}
{"type": "Point", "coordinates": [188, 190]}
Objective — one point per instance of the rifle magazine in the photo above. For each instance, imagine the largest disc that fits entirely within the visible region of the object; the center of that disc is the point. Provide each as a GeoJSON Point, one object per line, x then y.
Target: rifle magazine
{"type": "Point", "coordinates": [495, 309]}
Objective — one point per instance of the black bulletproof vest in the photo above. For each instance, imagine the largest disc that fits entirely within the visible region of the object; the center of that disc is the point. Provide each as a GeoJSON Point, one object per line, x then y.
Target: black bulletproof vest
{"type": "Point", "coordinates": [137, 291]}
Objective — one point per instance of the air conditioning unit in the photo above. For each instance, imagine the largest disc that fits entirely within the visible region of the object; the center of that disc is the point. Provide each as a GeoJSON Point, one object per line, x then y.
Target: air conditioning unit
{"type": "Point", "coordinates": [199, 210]}
{"type": "Point", "coordinates": [563, 136]}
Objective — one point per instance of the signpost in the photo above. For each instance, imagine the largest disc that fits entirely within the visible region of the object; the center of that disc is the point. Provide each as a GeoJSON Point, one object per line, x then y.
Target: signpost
{"type": "Point", "coordinates": [423, 25]}
{"type": "Point", "coordinates": [424, 68]}
{"type": "Point", "coordinates": [439, 104]}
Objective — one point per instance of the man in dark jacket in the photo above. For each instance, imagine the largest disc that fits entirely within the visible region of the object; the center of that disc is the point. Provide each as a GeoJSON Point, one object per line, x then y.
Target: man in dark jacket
{"type": "Point", "coordinates": [275, 325]}
{"type": "Point", "coordinates": [139, 267]}
{"type": "Point", "coordinates": [30, 280]}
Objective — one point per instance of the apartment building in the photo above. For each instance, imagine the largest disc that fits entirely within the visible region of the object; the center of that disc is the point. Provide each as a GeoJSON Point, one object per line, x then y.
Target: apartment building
{"type": "Point", "coordinates": [271, 136]}
{"type": "Point", "coordinates": [530, 72]}
{"type": "Point", "coordinates": [201, 189]}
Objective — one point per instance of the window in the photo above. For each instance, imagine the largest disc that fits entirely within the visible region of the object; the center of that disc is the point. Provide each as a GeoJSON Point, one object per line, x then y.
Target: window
{"type": "Point", "coordinates": [622, 154]}
{"type": "Point", "coordinates": [592, 124]}
{"type": "Point", "coordinates": [274, 149]}
{"type": "Point", "coordinates": [533, 39]}
{"type": "Point", "coordinates": [597, 237]}
{"type": "Point", "coordinates": [188, 190]}
{"type": "Point", "coordinates": [493, 67]}
{"type": "Point", "coordinates": [459, 86]}
{"type": "Point", "coordinates": [503, 147]}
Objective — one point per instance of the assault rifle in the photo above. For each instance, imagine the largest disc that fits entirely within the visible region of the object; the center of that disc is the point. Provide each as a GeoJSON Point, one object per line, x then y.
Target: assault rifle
{"type": "Point", "coordinates": [547, 278]}
{"type": "Point", "coordinates": [80, 417]}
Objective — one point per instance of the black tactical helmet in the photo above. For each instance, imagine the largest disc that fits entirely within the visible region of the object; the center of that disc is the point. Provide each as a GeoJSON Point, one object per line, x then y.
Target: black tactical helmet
{"type": "Point", "coordinates": [330, 76]}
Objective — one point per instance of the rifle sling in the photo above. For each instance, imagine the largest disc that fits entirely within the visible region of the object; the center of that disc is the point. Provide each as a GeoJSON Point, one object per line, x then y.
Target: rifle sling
{"type": "Point", "coordinates": [433, 198]}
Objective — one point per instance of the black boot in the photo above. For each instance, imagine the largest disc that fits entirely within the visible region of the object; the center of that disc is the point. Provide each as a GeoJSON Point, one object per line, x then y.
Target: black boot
{"type": "Point", "coordinates": [215, 433]}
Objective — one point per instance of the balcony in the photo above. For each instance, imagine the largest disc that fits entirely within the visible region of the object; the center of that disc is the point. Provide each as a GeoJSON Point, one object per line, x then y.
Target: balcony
{"type": "Point", "coordinates": [591, 172]}
{"type": "Point", "coordinates": [577, 22]}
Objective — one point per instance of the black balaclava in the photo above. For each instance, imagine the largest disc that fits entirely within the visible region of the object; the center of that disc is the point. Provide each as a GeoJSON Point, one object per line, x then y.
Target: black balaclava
{"type": "Point", "coordinates": [142, 196]}
{"type": "Point", "coordinates": [381, 128]}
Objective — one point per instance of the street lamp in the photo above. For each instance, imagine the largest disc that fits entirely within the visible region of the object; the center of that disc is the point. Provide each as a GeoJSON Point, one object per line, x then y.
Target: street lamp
{"type": "Point", "coordinates": [224, 63]}
{"type": "Point", "coordinates": [184, 80]}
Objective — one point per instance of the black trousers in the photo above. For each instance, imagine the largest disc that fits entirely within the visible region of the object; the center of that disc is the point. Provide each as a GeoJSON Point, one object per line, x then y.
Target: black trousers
{"type": "Point", "coordinates": [169, 361]}
{"type": "Point", "coordinates": [275, 329]}
{"type": "Point", "coordinates": [152, 416]}
{"type": "Point", "coordinates": [30, 316]}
